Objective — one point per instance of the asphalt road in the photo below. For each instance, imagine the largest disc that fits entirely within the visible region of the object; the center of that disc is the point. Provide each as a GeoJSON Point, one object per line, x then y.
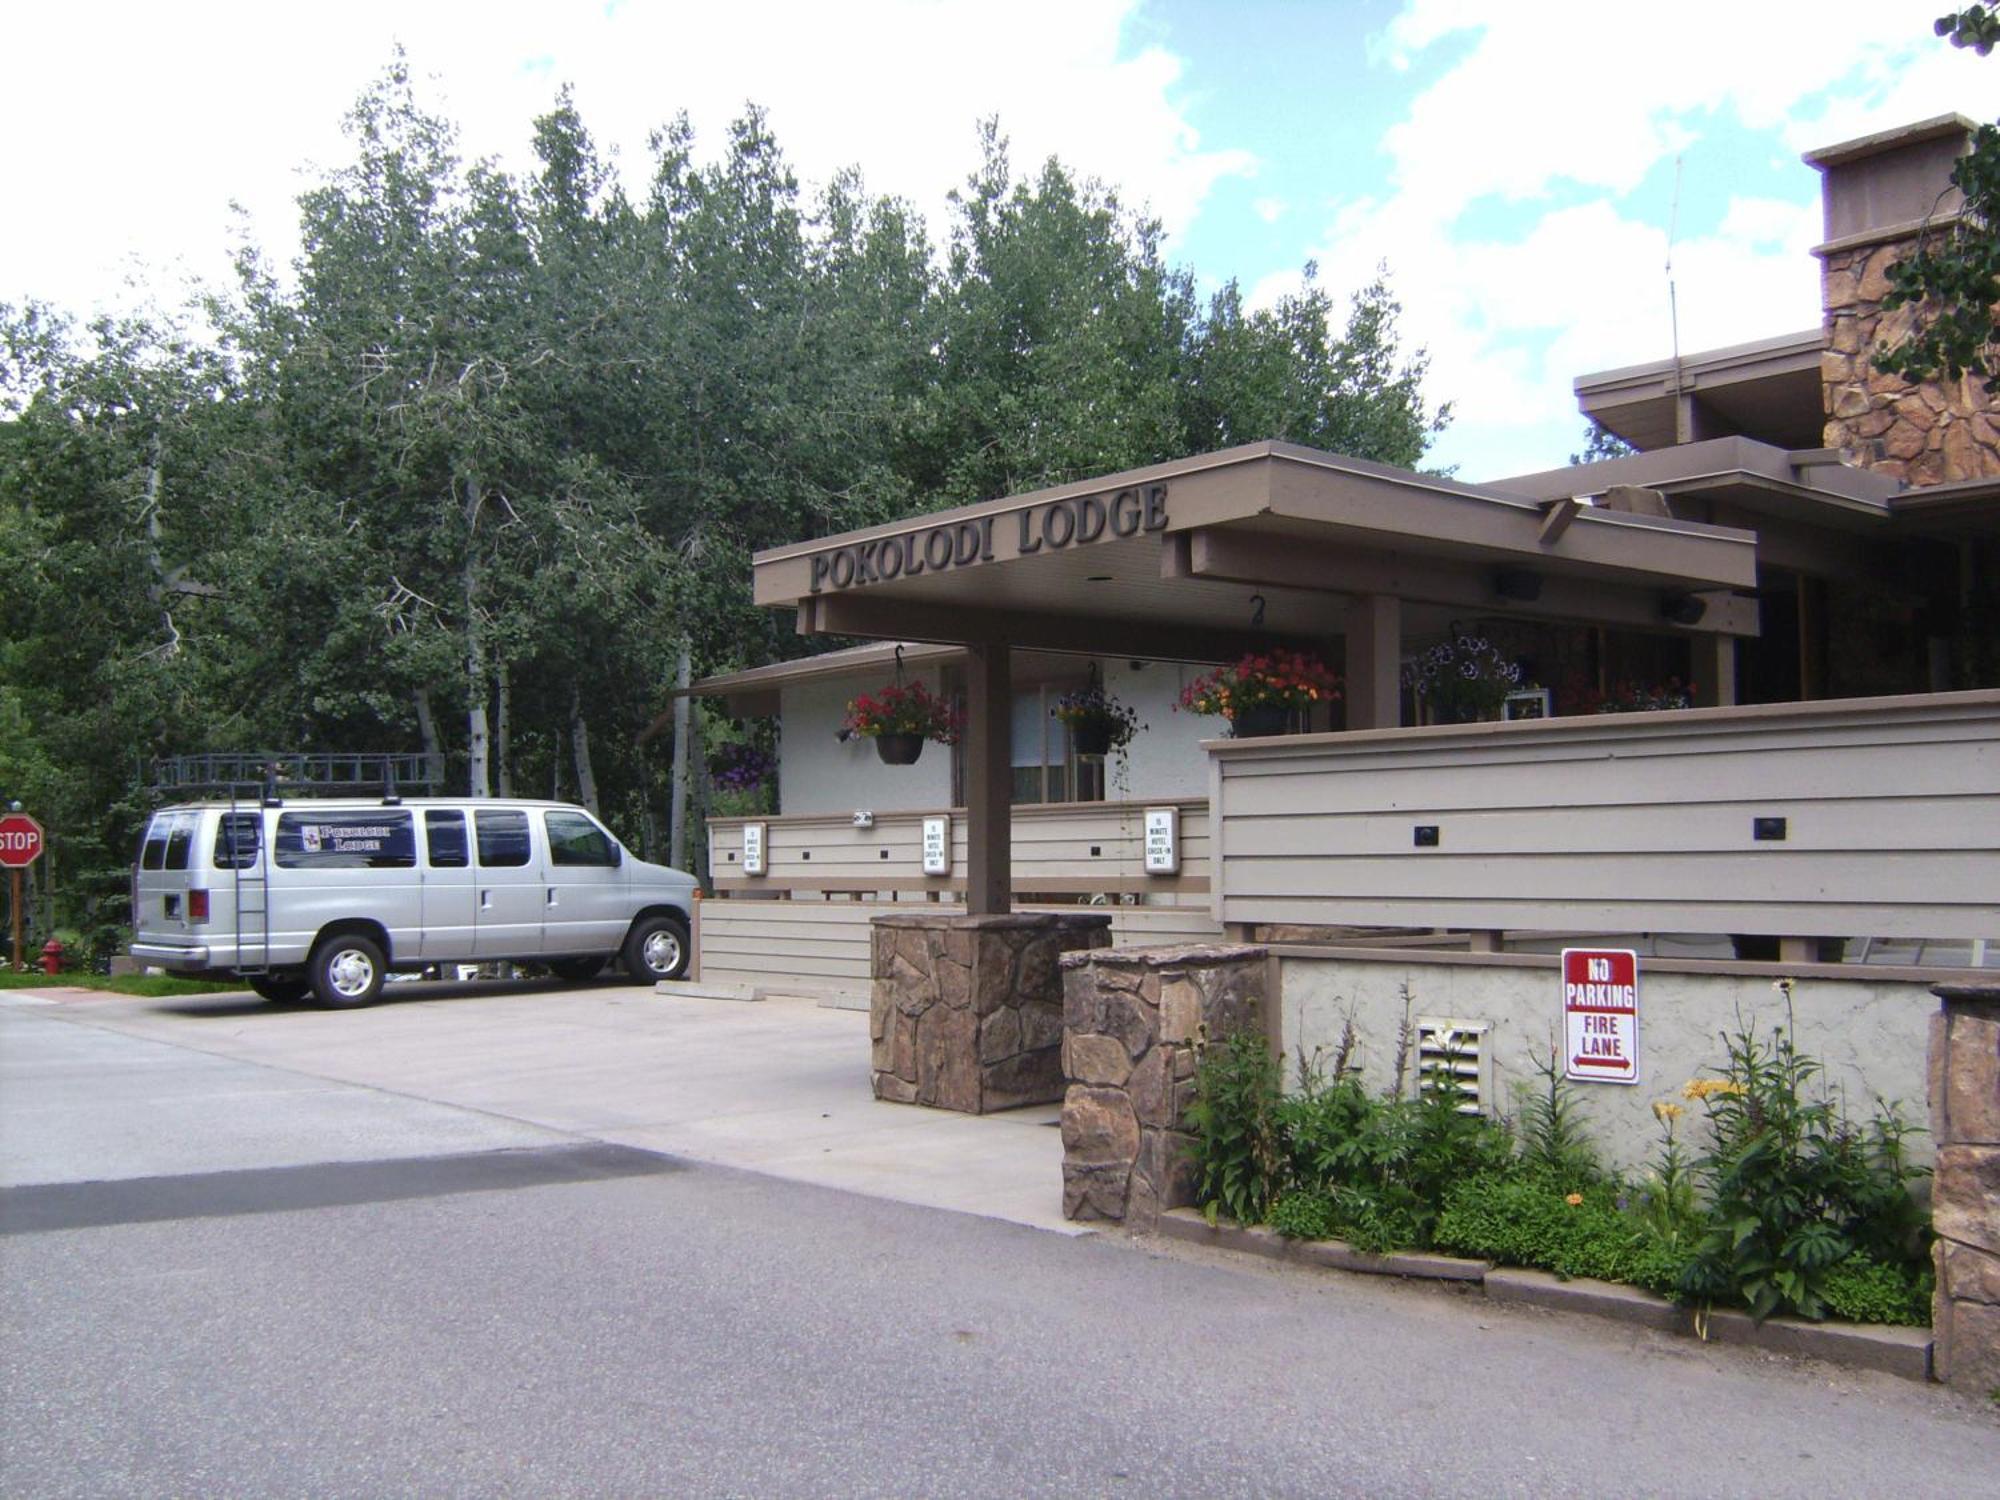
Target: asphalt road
{"type": "Point", "coordinates": [522, 1312]}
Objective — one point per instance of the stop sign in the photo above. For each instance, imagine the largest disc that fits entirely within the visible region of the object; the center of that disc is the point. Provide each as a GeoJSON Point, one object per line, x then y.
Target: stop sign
{"type": "Point", "coordinates": [20, 841]}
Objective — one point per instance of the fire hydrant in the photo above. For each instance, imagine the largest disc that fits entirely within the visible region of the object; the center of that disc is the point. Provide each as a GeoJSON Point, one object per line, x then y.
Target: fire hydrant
{"type": "Point", "coordinates": [52, 956]}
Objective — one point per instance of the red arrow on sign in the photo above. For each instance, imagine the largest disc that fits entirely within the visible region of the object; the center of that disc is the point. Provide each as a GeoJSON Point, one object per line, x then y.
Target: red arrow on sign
{"type": "Point", "coordinates": [20, 841]}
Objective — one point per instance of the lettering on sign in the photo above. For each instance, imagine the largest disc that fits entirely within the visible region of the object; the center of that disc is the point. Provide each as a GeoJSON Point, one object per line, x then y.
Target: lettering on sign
{"type": "Point", "coordinates": [1600, 988]}
{"type": "Point", "coordinates": [1048, 527]}
{"type": "Point", "coordinates": [1163, 843]}
{"type": "Point", "coordinates": [753, 848]}
{"type": "Point", "coordinates": [937, 846]}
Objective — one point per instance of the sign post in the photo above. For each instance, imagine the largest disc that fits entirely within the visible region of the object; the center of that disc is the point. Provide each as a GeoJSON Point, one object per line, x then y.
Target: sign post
{"type": "Point", "coordinates": [20, 846]}
{"type": "Point", "coordinates": [1600, 1015]}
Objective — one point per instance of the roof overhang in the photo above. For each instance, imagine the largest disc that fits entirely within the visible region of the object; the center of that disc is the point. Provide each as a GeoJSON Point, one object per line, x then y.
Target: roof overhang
{"type": "Point", "coordinates": [1770, 388]}
{"type": "Point", "coordinates": [1180, 561]}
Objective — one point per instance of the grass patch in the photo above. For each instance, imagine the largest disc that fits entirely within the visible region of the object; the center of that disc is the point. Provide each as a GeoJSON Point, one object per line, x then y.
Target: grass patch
{"type": "Point", "coordinates": [145, 986]}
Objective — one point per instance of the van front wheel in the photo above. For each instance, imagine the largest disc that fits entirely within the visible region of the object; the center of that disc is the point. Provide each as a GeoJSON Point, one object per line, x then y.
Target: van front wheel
{"type": "Point", "coordinates": [657, 949]}
{"type": "Point", "coordinates": [346, 971]}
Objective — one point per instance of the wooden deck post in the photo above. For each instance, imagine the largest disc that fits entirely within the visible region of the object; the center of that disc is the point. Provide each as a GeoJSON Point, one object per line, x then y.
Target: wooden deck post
{"type": "Point", "coordinates": [989, 776]}
{"type": "Point", "coordinates": [1374, 653]}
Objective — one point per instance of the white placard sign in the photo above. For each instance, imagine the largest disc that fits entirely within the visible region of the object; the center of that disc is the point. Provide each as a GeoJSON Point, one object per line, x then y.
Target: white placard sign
{"type": "Point", "coordinates": [1163, 841]}
{"type": "Point", "coordinates": [937, 846]}
{"type": "Point", "coordinates": [753, 848]}
{"type": "Point", "coordinates": [1601, 1015]}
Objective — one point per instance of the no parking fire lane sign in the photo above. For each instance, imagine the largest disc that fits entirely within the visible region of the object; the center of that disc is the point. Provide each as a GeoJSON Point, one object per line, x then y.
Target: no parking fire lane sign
{"type": "Point", "coordinates": [1601, 1015]}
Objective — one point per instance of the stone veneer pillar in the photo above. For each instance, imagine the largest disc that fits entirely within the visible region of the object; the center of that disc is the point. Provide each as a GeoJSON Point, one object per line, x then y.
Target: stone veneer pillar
{"type": "Point", "coordinates": [1130, 1017]}
{"type": "Point", "coordinates": [966, 1012]}
{"type": "Point", "coordinates": [1965, 1192]}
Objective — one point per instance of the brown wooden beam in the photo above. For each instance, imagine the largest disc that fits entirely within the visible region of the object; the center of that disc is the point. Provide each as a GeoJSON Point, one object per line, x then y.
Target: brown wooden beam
{"type": "Point", "coordinates": [1292, 562]}
{"type": "Point", "coordinates": [1085, 635]}
{"type": "Point", "coordinates": [989, 776]}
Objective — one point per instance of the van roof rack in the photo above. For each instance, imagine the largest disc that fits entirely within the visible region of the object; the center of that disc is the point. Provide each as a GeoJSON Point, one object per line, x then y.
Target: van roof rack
{"type": "Point", "coordinates": [273, 774]}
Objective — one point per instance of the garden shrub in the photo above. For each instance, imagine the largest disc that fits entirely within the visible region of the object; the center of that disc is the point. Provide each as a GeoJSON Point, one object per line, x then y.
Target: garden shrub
{"type": "Point", "coordinates": [1304, 1216]}
{"type": "Point", "coordinates": [1233, 1117]}
{"type": "Point", "coordinates": [1862, 1290]}
{"type": "Point", "coordinates": [1794, 1188]}
{"type": "Point", "coordinates": [1523, 1221]}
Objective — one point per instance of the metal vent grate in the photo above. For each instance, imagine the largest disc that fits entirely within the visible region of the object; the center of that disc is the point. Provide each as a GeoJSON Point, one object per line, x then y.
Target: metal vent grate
{"type": "Point", "coordinates": [1453, 1054]}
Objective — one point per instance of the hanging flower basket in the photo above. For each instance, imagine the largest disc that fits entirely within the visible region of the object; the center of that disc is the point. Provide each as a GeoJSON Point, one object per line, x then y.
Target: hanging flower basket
{"type": "Point", "coordinates": [1097, 722]}
{"type": "Point", "coordinates": [899, 718]}
{"type": "Point", "coordinates": [1260, 693]}
{"type": "Point", "coordinates": [1463, 679]}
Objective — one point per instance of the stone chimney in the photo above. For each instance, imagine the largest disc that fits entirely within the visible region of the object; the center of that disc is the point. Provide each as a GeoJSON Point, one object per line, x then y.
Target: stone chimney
{"type": "Point", "coordinates": [1881, 193]}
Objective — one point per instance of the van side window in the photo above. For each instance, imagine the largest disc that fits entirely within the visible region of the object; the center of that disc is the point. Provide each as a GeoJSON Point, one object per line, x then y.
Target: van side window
{"type": "Point", "coordinates": [238, 837]}
{"type": "Point", "coordinates": [503, 837]}
{"type": "Point", "coordinates": [445, 832]}
{"type": "Point", "coordinates": [153, 856]}
{"type": "Point", "coordinates": [345, 839]}
{"type": "Point", "coordinates": [180, 843]}
{"type": "Point", "coordinates": [575, 840]}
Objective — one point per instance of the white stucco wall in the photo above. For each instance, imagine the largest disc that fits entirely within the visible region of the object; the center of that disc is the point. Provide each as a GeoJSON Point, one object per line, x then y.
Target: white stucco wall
{"type": "Point", "coordinates": [1870, 1036]}
{"type": "Point", "coordinates": [1166, 758]}
{"type": "Point", "coordinates": [818, 773]}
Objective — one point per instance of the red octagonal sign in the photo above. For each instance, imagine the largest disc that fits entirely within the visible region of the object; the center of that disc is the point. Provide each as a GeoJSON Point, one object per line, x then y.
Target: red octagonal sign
{"type": "Point", "coordinates": [20, 841]}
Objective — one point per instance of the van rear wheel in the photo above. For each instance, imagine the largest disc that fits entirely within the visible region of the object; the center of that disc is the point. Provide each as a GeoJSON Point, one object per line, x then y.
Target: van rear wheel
{"type": "Point", "coordinates": [278, 990]}
{"type": "Point", "coordinates": [346, 971]}
{"type": "Point", "coordinates": [657, 949]}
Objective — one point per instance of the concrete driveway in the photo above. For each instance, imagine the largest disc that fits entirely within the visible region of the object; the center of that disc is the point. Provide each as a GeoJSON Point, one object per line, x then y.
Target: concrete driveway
{"type": "Point", "coordinates": [776, 1086]}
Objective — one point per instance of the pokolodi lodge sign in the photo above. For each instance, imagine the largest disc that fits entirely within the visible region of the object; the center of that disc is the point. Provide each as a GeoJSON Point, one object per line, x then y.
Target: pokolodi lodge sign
{"type": "Point", "coordinates": [1048, 527]}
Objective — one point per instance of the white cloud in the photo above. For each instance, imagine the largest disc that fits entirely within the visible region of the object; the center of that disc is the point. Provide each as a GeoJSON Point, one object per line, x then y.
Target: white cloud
{"type": "Point", "coordinates": [1551, 101]}
{"type": "Point", "coordinates": [139, 123]}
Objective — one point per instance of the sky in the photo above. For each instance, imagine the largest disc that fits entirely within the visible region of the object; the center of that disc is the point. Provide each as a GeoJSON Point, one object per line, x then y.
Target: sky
{"type": "Point", "coordinates": [1528, 170]}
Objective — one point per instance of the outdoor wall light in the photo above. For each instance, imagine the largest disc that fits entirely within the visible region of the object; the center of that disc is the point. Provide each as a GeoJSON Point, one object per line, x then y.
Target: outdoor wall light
{"type": "Point", "coordinates": [864, 818]}
{"type": "Point", "coordinates": [1682, 609]}
{"type": "Point", "coordinates": [1524, 584]}
{"type": "Point", "coordinates": [843, 735]}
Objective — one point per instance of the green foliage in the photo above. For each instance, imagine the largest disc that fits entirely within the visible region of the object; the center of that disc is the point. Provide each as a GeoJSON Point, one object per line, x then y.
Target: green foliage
{"type": "Point", "coordinates": [1862, 1290]}
{"type": "Point", "coordinates": [1952, 282]}
{"type": "Point", "coordinates": [1793, 1187]}
{"type": "Point", "coordinates": [1555, 1139]}
{"type": "Point", "coordinates": [1526, 1221]}
{"type": "Point", "coordinates": [1234, 1122]}
{"type": "Point", "coordinates": [1304, 1216]}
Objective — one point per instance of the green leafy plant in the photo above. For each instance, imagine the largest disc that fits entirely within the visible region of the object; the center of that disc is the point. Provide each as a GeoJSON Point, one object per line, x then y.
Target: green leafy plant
{"type": "Point", "coordinates": [1235, 1151]}
{"type": "Point", "coordinates": [1794, 1189]}
{"type": "Point", "coordinates": [1862, 1290]}
{"type": "Point", "coordinates": [1305, 1216]}
{"type": "Point", "coordinates": [1555, 1138]}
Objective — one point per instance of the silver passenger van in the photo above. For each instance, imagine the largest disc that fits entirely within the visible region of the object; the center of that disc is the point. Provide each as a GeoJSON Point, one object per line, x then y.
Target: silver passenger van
{"type": "Point", "coordinates": [325, 896]}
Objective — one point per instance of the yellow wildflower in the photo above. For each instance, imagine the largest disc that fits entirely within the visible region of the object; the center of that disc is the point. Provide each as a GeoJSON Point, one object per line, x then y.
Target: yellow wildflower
{"type": "Point", "coordinates": [1574, 1199]}
{"type": "Point", "coordinates": [1666, 1110]}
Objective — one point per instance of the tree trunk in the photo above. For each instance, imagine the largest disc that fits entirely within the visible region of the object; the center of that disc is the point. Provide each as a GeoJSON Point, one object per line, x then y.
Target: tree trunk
{"type": "Point", "coordinates": [503, 734]}
{"type": "Point", "coordinates": [156, 587]}
{"type": "Point", "coordinates": [427, 727]}
{"type": "Point", "coordinates": [677, 817]}
{"type": "Point", "coordinates": [478, 751]}
{"type": "Point", "coordinates": [579, 740]}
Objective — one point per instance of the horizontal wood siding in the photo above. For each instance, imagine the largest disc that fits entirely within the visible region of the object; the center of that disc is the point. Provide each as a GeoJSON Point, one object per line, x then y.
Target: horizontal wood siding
{"type": "Point", "coordinates": [1076, 847]}
{"type": "Point", "coordinates": [815, 947]}
{"type": "Point", "coordinates": [1635, 822]}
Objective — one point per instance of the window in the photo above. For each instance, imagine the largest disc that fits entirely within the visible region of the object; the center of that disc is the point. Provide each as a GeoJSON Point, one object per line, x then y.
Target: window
{"type": "Point", "coordinates": [238, 837]}
{"type": "Point", "coordinates": [154, 855]}
{"type": "Point", "coordinates": [575, 840]}
{"type": "Point", "coordinates": [444, 832]}
{"type": "Point", "coordinates": [364, 838]}
{"type": "Point", "coordinates": [1040, 745]}
{"type": "Point", "coordinates": [503, 838]}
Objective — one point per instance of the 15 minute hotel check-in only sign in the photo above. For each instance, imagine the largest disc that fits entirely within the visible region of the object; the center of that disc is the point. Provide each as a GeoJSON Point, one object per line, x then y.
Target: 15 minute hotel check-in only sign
{"type": "Point", "coordinates": [1601, 1015]}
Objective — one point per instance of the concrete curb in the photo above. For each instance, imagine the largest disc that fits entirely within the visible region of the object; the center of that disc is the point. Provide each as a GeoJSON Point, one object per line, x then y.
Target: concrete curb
{"type": "Point", "coordinates": [1904, 1352]}
{"type": "Point", "coordinates": [694, 989]}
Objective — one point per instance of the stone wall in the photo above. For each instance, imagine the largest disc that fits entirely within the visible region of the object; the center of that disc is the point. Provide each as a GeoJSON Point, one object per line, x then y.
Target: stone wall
{"type": "Point", "coordinates": [1965, 1193]}
{"type": "Point", "coordinates": [1130, 1018]}
{"type": "Point", "coordinates": [1928, 434]}
{"type": "Point", "coordinates": [966, 1012]}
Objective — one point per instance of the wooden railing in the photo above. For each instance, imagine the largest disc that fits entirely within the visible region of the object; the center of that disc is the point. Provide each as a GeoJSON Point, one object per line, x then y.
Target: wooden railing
{"type": "Point", "coordinates": [1855, 818]}
{"type": "Point", "coordinates": [1060, 849]}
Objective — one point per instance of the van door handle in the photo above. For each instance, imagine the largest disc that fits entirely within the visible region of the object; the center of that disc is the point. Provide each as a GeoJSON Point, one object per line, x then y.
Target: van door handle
{"type": "Point", "coordinates": [486, 901]}
{"type": "Point", "coordinates": [552, 895]}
